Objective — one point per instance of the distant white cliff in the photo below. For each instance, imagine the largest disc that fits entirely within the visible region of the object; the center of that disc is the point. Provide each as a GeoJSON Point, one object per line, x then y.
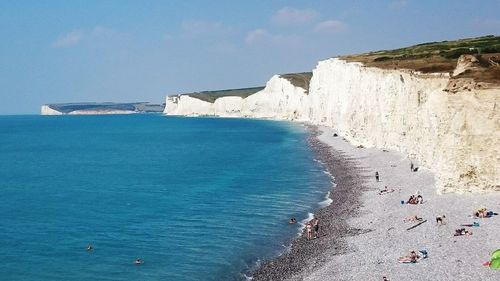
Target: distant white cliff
{"type": "Point", "coordinates": [47, 110]}
{"type": "Point", "coordinates": [94, 108]}
{"type": "Point", "coordinates": [453, 133]}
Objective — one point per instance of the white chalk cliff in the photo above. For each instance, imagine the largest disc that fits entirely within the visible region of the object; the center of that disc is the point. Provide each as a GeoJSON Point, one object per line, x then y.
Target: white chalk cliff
{"type": "Point", "coordinates": [453, 133]}
{"type": "Point", "coordinates": [94, 108]}
{"type": "Point", "coordinates": [47, 110]}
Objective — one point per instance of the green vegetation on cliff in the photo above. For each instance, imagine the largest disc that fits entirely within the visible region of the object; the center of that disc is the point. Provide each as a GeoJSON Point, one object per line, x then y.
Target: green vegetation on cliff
{"type": "Point", "coordinates": [211, 96]}
{"type": "Point", "coordinates": [438, 56]}
{"type": "Point", "coordinates": [297, 79]}
{"type": "Point", "coordinates": [429, 57]}
{"type": "Point", "coordinates": [301, 80]}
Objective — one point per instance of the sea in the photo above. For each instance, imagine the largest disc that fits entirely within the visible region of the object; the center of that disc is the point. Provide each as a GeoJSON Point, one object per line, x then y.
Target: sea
{"type": "Point", "coordinates": [193, 198]}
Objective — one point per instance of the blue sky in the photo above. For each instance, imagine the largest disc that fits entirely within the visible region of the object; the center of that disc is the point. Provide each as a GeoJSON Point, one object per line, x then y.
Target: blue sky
{"type": "Point", "coordinates": [73, 51]}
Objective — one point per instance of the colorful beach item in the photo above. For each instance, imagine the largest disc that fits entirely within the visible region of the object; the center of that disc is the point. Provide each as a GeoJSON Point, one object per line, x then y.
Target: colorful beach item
{"type": "Point", "coordinates": [495, 260]}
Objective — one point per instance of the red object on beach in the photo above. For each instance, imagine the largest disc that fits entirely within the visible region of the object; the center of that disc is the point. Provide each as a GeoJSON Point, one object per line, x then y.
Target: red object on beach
{"type": "Point", "coordinates": [486, 263]}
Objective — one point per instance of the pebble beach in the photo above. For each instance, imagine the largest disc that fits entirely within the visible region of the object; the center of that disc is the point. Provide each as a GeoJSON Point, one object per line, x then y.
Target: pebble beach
{"type": "Point", "coordinates": [363, 233]}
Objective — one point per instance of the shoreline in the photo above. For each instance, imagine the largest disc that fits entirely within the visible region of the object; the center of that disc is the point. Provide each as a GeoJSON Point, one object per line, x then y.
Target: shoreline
{"type": "Point", "coordinates": [362, 234]}
{"type": "Point", "coordinates": [344, 203]}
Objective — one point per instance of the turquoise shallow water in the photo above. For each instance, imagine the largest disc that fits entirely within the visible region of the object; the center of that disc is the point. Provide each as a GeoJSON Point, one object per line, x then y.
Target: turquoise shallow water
{"type": "Point", "coordinates": [195, 198]}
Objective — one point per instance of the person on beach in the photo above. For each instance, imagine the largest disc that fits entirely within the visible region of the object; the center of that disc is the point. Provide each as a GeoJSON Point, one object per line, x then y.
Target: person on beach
{"type": "Point", "coordinates": [385, 190]}
{"type": "Point", "coordinates": [316, 227]}
{"type": "Point", "coordinates": [309, 231]}
{"type": "Point", "coordinates": [412, 200]}
{"type": "Point", "coordinates": [484, 213]}
{"type": "Point", "coordinates": [412, 219]}
{"type": "Point", "coordinates": [440, 220]}
{"type": "Point", "coordinates": [462, 232]}
{"type": "Point", "coordinates": [377, 176]}
{"type": "Point", "coordinates": [411, 258]}
{"type": "Point", "coordinates": [480, 213]}
{"type": "Point", "coordinates": [411, 166]}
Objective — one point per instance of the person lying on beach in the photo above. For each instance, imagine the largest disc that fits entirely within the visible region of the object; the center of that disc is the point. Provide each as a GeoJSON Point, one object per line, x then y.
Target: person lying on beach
{"type": "Point", "coordinates": [440, 220]}
{"type": "Point", "coordinates": [414, 200]}
{"type": "Point", "coordinates": [411, 258]}
{"type": "Point", "coordinates": [385, 190]}
{"type": "Point", "coordinates": [412, 219]}
{"type": "Point", "coordinates": [484, 213]}
{"type": "Point", "coordinates": [462, 232]}
{"type": "Point", "coordinates": [292, 221]}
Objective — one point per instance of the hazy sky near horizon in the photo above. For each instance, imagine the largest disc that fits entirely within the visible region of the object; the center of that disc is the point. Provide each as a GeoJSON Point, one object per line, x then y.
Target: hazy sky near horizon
{"type": "Point", "coordinates": [75, 51]}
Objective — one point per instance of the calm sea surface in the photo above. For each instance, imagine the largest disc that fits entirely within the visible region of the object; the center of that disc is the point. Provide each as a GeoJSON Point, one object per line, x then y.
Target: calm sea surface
{"type": "Point", "coordinates": [195, 198]}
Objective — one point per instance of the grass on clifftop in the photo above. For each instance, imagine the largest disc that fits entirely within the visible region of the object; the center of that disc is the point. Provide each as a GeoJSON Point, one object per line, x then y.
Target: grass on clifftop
{"type": "Point", "coordinates": [434, 56]}
{"type": "Point", "coordinates": [211, 96]}
{"type": "Point", "coordinates": [299, 79]}
{"type": "Point", "coordinates": [429, 57]}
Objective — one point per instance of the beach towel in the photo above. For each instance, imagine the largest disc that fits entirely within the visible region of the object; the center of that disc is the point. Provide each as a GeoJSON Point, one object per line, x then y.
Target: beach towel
{"type": "Point", "coordinates": [474, 224]}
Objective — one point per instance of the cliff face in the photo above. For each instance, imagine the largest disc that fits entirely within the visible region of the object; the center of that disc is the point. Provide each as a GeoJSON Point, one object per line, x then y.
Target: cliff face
{"type": "Point", "coordinates": [278, 100]}
{"type": "Point", "coordinates": [455, 134]}
{"type": "Point", "coordinates": [47, 110]}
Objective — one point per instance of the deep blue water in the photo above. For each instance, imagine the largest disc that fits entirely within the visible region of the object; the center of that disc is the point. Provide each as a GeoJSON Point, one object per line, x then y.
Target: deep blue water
{"type": "Point", "coordinates": [195, 198]}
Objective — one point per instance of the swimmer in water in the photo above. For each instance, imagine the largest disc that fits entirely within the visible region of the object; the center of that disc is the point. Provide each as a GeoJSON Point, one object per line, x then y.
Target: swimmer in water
{"type": "Point", "coordinates": [292, 221]}
{"type": "Point", "coordinates": [138, 261]}
{"type": "Point", "coordinates": [89, 248]}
